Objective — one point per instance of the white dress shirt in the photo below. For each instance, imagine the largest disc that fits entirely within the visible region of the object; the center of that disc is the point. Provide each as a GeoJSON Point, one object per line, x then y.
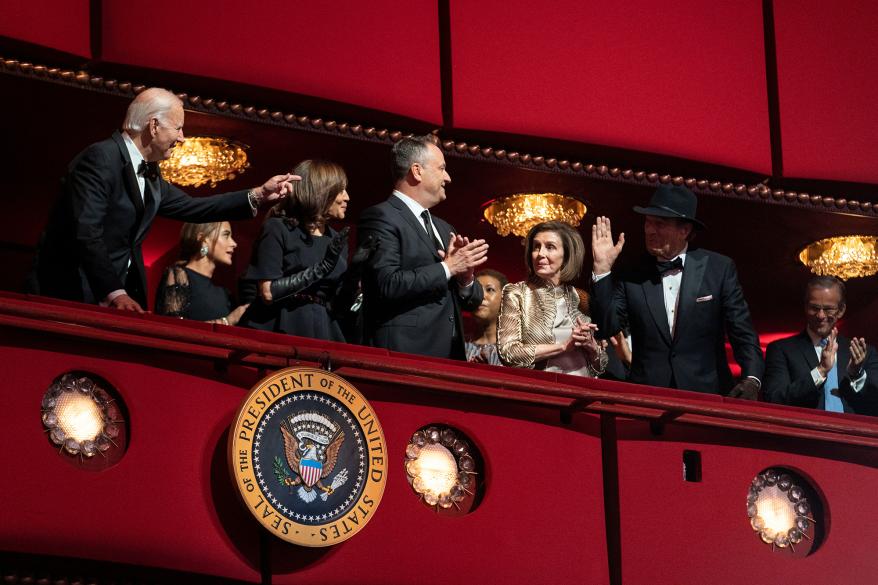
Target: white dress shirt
{"type": "Point", "coordinates": [671, 282]}
{"type": "Point", "coordinates": [136, 159]}
{"type": "Point", "coordinates": [417, 209]}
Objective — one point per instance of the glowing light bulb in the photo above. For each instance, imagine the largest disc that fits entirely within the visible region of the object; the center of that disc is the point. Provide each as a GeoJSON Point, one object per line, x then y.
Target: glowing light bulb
{"type": "Point", "coordinates": [436, 468]}
{"type": "Point", "coordinates": [79, 416]}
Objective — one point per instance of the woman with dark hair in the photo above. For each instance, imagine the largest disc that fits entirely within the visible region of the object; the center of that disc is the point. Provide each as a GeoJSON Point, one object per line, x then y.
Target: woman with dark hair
{"type": "Point", "coordinates": [298, 260]}
{"type": "Point", "coordinates": [482, 348]}
{"type": "Point", "coordinates": [186, 290]}
{"type": "Point", "coordinates": [543, 320]}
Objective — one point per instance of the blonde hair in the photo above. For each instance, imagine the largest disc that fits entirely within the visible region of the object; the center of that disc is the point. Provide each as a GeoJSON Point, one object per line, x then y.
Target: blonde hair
{"type": "Point", "coordinates": [193, 234]}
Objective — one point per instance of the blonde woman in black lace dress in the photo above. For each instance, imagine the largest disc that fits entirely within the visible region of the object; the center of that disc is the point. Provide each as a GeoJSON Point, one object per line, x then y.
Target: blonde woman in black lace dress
{"type": "Point", "coordinates": [186, 290]}
{"type": "Point", "coordinates": [543, 320]}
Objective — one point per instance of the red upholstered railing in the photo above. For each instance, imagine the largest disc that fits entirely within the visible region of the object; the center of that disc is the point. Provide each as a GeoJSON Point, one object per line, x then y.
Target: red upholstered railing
{"type": "Point", "coordinates": [583, 478]}
{"type": "Point", "coordinates": [240, 346]}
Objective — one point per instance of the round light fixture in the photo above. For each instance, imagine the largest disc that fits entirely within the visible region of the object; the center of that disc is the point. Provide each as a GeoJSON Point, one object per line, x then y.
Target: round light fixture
{"type": "Point", "coordinates": [516, 214]}
{"type": "Point", "coordinates": [843, 256]}
{"type": "Point", "coordinates": [204, 159]}
{"type": "Point", "coordinates": [782, 507]}
{"type": "Point", "coordinates": [81, 417]}
{"type": "Point", "coordinates": [441, 466]}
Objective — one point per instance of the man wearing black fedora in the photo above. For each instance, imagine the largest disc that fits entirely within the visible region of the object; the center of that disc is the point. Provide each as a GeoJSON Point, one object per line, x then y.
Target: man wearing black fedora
{"type": "Point", "coordinates": [679, 303]}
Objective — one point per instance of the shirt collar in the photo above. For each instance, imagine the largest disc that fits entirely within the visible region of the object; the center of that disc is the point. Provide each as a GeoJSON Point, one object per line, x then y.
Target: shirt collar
{"type": "Point", "coordinates": [816, 340]}
{"type": "Point", "coordinates": [682, 255]}
{"type": "Point", "coordinates": [133, 152]}
{"type": "Point", "coordinates": [413, 205]}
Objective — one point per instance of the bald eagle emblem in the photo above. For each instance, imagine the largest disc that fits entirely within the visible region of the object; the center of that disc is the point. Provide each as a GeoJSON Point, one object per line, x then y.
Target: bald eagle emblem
{"type": "Point", "coordinates": [311, 445]}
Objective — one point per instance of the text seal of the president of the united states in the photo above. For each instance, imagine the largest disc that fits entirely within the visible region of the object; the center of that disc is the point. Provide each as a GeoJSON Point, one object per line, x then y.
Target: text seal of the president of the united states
{"type": "Point", "coordinates": [308, 456]}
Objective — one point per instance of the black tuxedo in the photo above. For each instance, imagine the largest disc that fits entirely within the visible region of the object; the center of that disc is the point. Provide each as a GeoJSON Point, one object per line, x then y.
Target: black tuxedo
{"type": "Point", "coordinates": [788, 365]}
{"type": "Point", "coordinates": [99, 223]}
{"type": "Point", "coordinates": [711, 304]}
{"type": "Point", "coordinates": [408, 303]}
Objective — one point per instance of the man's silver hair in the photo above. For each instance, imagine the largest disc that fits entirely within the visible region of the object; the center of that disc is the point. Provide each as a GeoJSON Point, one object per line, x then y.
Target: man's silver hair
{"type": "Point", "coordinates": [154, 102]}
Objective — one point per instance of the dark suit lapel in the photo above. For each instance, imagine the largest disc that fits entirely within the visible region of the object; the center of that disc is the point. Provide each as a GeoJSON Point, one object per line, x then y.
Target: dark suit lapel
{"type": "Point", "coordinates": [843, 356]}
{"type": "Point", "coordinates": [151, 201]}
{"type": "Point", "coordinates": [690, 284]}
{"type": "Point", "coordinates": [444, 230]}
{"type": "Point", "coordinates": [805, 347]}
{"type": "Point", "coordinates": [414, 223]}
{"type": "Point", "coordinates": [806, 350]}
{"type": "Point", "coordinates": [129, 175]}
{"type": "Point", "coordinates": [655, 300]}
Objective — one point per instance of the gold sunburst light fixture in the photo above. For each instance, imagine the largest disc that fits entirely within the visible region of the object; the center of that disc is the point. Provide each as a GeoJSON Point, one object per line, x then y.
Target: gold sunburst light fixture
{"type": "Point", "coordinates": [205, 159]}
{"type": "Point", "coordinates": [842, 256]}
{"type": "Point", "coordinates": [516, 214]}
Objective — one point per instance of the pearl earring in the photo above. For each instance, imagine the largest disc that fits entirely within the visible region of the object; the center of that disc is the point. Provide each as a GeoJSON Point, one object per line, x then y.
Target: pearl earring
{"type": "Point", "coordinates": [204, 250]}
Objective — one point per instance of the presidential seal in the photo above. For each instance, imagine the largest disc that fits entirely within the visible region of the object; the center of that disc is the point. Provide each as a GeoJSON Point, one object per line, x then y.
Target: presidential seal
{"type": "Point", "coordinates": [308, 456]}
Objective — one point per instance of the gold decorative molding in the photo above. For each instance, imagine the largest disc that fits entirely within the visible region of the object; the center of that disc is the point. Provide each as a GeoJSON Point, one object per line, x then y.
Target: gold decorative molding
{"type": "Point", "coordinates": [753, 192]}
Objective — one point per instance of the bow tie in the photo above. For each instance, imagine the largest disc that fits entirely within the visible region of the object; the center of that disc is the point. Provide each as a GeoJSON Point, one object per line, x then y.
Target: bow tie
{"type": "Point", "coordinates": [147, 170]}
{"type": "Point", "coordinates": [667, 266]}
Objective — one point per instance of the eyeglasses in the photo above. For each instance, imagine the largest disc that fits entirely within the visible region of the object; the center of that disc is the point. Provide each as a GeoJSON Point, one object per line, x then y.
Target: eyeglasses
{"type": "Point", "coordinates": [828, 311]}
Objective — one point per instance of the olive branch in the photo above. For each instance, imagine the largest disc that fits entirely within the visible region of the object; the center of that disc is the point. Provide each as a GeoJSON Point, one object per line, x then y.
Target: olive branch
{"type": "Point", "coordinates": [280, 472]}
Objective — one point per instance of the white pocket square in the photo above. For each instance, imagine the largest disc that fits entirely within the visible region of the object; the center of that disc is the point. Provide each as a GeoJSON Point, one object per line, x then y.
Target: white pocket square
{"type": "Point", "coordinates": [704, 299]}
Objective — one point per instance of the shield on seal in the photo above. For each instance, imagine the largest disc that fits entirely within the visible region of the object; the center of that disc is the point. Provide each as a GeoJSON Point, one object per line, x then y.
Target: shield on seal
{"type": "Point", "coordinates": [310, 470]}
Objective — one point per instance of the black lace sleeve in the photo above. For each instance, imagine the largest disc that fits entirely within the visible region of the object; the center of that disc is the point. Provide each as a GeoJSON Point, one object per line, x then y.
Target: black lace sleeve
{"type": "Point", "coordinates": [174, 294]}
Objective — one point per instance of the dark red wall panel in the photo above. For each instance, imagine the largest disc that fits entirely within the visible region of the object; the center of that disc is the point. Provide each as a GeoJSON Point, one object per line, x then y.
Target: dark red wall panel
{"type": "Point", "coordinates": [700, 532]}
{"type": "Point", "coordinates": [684, 78]}
{"type": "Point", "coordinates": [158, 505]}
{"type": "Point", "coordinates": [828, 80]}
{"type": "Point", "coordinates": [58, 24]}
{"type": "Point", "coordinates": [541, 520]}
{"type": "Point", "coordinates": [371, 54]}
{"type": "Point", "coordinates": [545, 516]}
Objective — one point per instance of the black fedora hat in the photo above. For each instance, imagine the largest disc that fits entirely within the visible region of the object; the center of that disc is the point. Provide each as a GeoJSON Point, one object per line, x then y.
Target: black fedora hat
{"type": "Point", "coordinates": [673, 201]}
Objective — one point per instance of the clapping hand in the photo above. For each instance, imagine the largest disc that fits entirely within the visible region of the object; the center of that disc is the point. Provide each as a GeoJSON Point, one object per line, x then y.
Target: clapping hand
{"type": "Point", "coordinates": [858, 357]}
{"type": "Point", "coordinates": [336, 245]}
{"type": "Point", "coordinates": [827, 356]}
{"type": "Point", "coordinates": [583, 336]}
{"type": "Point", "coordinates": [463, 256]}
{"type": "Point", "coordinates": [480, 357]}
{"type": "Point", "coordinates": [365, 250]}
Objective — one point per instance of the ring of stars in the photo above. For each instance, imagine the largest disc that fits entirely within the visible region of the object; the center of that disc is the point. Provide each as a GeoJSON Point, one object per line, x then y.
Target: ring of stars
{"type": "Point", "coordinates": [264, 478]}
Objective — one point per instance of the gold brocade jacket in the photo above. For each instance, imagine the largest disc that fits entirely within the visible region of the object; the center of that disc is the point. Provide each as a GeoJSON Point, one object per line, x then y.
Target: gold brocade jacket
{"type": "Point", "coordinates": [527, 318]}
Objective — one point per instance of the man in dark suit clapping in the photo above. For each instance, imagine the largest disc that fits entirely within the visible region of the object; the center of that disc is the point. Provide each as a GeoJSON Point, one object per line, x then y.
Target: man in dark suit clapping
{"type": "Point", "coordinates": [91, 248]}
{"type": "Point", "coordinates": [679, 303]}
{"type": "Point", "coordinates": [818, 368]}
{"type": "Point", "coordinates": [421, 273]}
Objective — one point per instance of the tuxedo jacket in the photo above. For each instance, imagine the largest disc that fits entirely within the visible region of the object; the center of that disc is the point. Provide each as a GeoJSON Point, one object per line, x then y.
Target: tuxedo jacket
{"type": "Point", "coordinates": [92, 243]}
{"type": "Point", "coordinates": [408, 303]}
{"type": "Point", "coordinates": [788, 365]}
{"type": "Point", "coordinates": [710, 306]}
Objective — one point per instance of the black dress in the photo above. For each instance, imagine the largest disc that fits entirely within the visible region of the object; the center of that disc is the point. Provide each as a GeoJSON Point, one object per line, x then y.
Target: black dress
{"type": "Point", "coordinates": [190, 295]}
{"type": "Point", "coordinates": [281, 250]}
